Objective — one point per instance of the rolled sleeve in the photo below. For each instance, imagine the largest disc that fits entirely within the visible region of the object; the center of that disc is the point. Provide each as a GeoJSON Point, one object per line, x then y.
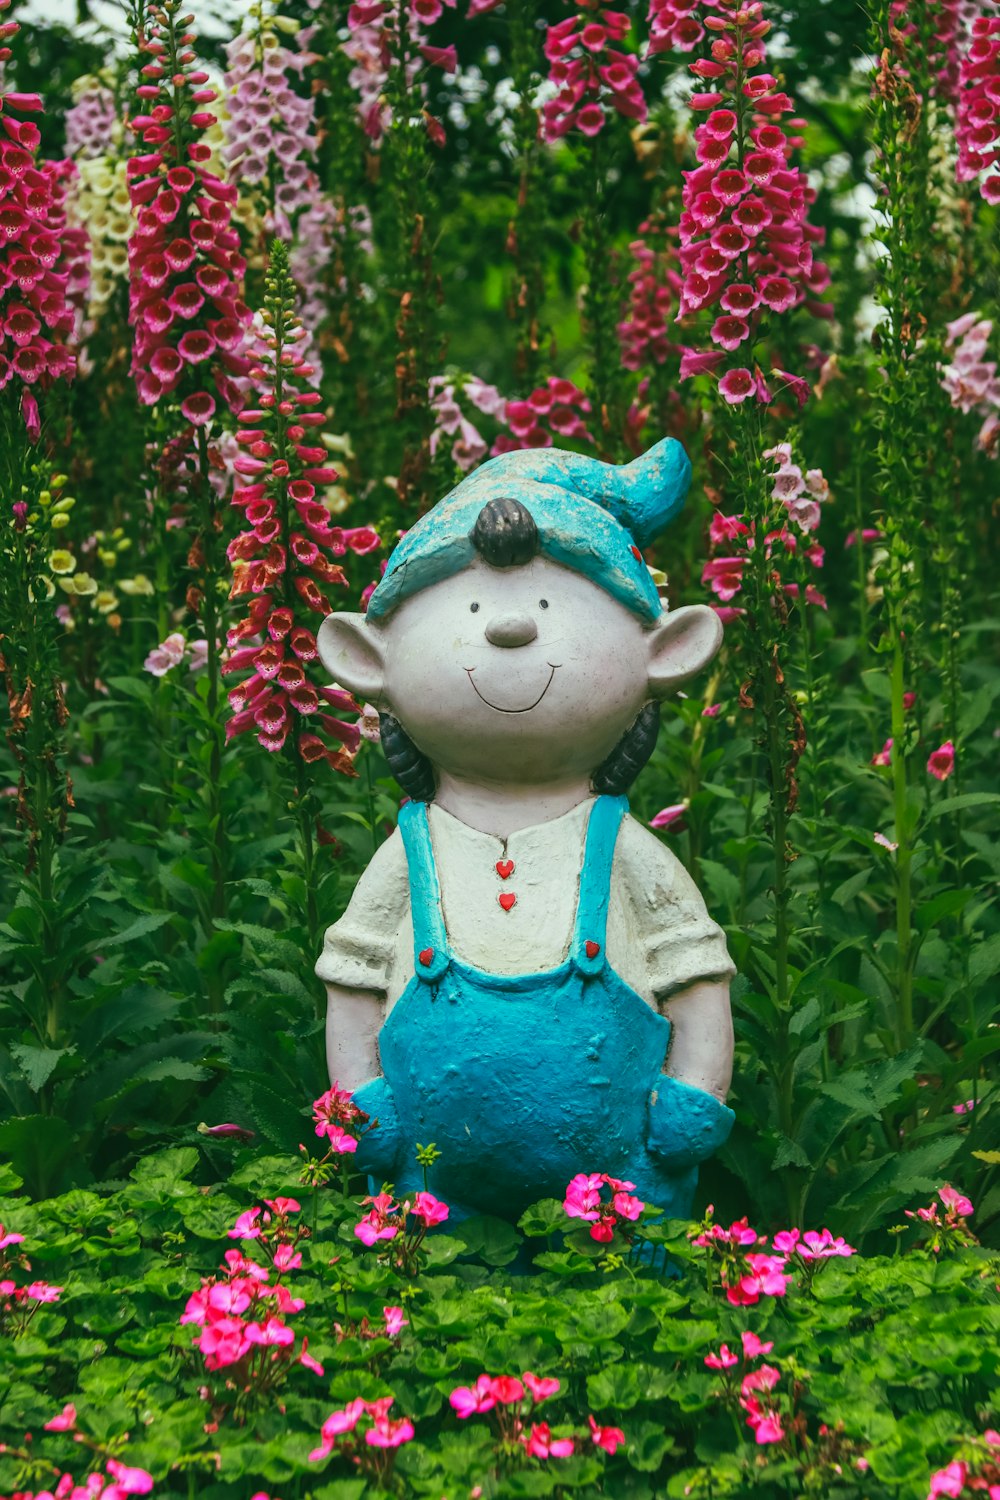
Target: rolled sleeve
{"type": "Point", "coordinates": [358, 949]}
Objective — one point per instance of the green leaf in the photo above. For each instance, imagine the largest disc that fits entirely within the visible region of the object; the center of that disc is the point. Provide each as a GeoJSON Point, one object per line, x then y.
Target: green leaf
{"type": "Point", "coordinates": [984, 959]}
{"type": "Point", "coordinates": [543, 1218]}
{"type": "Point", "coordinates": [38, 1063]}
{"type": "Point", "coordinates": [961, 802]}
{"type": "Point", "coordinates": [166, 1167]}
{"type": "Point", "coordinates": [489, 1239]}
{"type": "Point", "coordinates": [947, 904]}
{"type": "Point", "coordinates": [39, 1148]}
{"type": "Point", "coordinates": [151, 922]}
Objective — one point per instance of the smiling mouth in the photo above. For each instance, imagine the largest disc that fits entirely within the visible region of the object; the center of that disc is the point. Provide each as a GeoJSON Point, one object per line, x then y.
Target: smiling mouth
{"type": "Point", "coordinates": [527, 708]}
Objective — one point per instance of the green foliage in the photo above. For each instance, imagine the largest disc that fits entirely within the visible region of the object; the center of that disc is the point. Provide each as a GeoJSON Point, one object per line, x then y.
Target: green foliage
{"type": "Point", "coordinates": [888, 1362]}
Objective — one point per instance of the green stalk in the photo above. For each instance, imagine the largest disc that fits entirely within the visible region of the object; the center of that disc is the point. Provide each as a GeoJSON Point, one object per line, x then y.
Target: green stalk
{"type": "Point", "coordinates": [210, 619]}
{"type": "Point", "coordinates": [904, 853]}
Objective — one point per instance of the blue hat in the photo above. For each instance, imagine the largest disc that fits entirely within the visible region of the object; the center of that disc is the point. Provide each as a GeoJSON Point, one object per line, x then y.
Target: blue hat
{"type": "Point", "coordinates": [591, 516]}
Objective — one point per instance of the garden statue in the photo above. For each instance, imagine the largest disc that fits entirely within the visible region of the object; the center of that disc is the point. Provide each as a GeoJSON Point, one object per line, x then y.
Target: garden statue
{"type": "Point", "coordinates": [525, 976]}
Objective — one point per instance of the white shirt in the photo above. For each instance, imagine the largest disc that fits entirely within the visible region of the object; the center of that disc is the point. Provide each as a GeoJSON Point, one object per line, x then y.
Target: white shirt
{"type": "Point", "coordinates": [660, 938]}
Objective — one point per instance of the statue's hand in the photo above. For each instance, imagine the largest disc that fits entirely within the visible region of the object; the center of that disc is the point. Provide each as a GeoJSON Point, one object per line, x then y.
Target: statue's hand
{"type": "Point", "coordinates": [378, 1149]}
{"type": "Point", "coordinates": [686, 1125]}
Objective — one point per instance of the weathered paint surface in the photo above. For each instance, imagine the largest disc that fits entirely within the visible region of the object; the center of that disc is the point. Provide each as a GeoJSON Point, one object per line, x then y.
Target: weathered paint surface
{"type": "Point", "coordinates": [523, 1081]}
{"type": "Point", "coordinates": [590, 517]}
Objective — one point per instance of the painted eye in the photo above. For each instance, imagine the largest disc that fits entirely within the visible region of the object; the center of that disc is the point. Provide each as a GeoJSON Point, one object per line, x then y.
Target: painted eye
{"type": "Point", "coordinates": [474, 608]}
{"type": "Point", "coordinates": [543, 604]}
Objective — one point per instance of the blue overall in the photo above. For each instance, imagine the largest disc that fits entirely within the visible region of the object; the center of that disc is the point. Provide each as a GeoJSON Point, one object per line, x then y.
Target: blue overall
{"type": "Point", "coordinates": [522, 1081]}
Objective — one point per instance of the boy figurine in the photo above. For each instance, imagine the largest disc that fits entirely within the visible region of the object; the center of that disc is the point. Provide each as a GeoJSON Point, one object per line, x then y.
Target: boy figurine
{"type": "Point", "coordinates": [525, 976]}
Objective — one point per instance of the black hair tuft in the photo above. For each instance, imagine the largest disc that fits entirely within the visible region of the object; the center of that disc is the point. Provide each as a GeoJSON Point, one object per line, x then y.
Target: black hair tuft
{"type": "Point", "coordinates": [505, 534]}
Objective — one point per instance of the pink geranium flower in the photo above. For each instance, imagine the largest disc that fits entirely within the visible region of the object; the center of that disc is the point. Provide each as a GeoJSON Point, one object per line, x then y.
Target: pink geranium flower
{"type": "Point", "coordinates": [608, 1438]}
{"type": "Point", "coordinates": [541, 1387]}
{"type": "Point", "coordinates": [429, 1209]}
{"type": "Point", "coordinates": [724, 1360]}
{"type": "Point", "coordinates": [467, 1400]}
{"type": "Point", "coordinates": [539, 1442]}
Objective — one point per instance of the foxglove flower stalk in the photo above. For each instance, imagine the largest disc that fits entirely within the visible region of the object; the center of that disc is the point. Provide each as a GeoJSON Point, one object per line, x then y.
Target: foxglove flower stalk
{"type": "Point", "coordinates": [676, 25]}
{"type": "Point", "coordinates": [469, 446]}
{"type": "Point", "coordinates": [943, 35]}
{"type": "Point", "coordinates": [971, 379]}
{"type": "Point", "coordinates": [790, 530]}
{"type": "Point", "coordinates": [554, 410]}
{"type": "Point", "coordinates": [41, 261]}
{"type": "Point", "coordinates": [92, 122]}
{"type": "Point", "coordinates": [270, 128]}
{"type": "Point", "coordinates": [390, 35]}
{"type": "Point", "coordinates": [399, 116]}
{"type": "Point", "coordinates": [99, 204]}
{"type": "Point", "coordinates": [100, 207]}
{"type": "Point", "coordinates": [590, 73]}
{"type": "Point", "coordinates": [283, 558]}
{"type": "Point", "coordinates": [184, 254]}
{"type": "Point", "coordinates": [655, 284]}
{"type": "Point", "coordinates": [746, 241]}
{"type": "Point", "coordinates": [977, 127]}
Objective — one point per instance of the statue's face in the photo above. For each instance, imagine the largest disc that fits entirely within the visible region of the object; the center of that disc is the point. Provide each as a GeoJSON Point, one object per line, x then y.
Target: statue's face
{"type": "Point", "coordinates": [519, 673]}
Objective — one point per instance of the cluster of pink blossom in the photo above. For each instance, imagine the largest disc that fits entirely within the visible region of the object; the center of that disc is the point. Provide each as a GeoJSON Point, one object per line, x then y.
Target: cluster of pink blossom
{"type": "Point", "coordinates": [952, 21]}
{"type": "Point", "coordinates": [383, 1432]}
{"type": "Point", "coordinates": [585, 1199]}
{"type": "Point", "coordinates": [38, 255]}
{"type": "Point", "coordinates": [506, 1396]}
{"type": "Point", "coordinates": [270, 129]}
{"type": "Point", "coordinates": [747, 1272]}
{"type": "Point", "coordinates": [756, 1385]}
{"type": "Point", "coordinates": [798, 497]}
{"type": "Point", "coordinates": [19, 1303]}
{"type": "Point", "coordinates": [589, 73]}
{"type": "Point", "coordinates": [450, 421]}
{"type": "Point", "coordinates": [951, 1231]}
{"type": "Point", "coordinates": [126, 1480]}
{"type": "Point", "coordinates": [386, 1219]}
{"type": "Point", "coordinates": [91, 119]}
{"type": "Point", "coordinates": [338, 1120]}
{"type": "Point", "coordinates": [977, 1472]}
{"type": "Point", "coordinates": [977, 125]}
{"type": "Point", "coordinates": [971, 379]}
{"type": "Point", "coordinates": [73, 238]}
{"type": "Point", "coordinates": [118, 1483]}
{"type": "Point", "coordinates": [746, 243]}
{"type": "Point", "coordinates": [555, 409]}
{"type": "Point", "coordinates": [171, 652]}
{"type": "Point", "coordinates": [284, 553]}
{"type": "Point", "coordinates": [185, 266]}
{"type": "Point", "coordinates": [373, 26]}
{"type": "Point", "coordinates": [676, 25]}
{"type": "Point", "coordinates": [654, 284]}
{"type": "Point", "coordinates": [241, 1313]}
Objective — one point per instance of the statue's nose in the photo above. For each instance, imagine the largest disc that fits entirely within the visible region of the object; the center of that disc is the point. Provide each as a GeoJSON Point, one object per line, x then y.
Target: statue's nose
{"type": "Point", "coordinates": [511, 630]}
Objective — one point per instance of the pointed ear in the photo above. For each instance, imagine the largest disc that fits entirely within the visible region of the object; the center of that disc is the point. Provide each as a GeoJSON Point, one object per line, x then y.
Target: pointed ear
{"type": "Point", "coordinates": [683, 642]}
{"type": "Point", "coordinates": [352, 653]}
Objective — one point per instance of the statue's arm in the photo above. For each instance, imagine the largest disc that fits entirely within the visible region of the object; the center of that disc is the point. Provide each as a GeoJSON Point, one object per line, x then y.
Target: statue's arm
{"type": "Point", "coordinates": [701, 1047]}
{"type": "Point", "coordinates": [353, 1020]}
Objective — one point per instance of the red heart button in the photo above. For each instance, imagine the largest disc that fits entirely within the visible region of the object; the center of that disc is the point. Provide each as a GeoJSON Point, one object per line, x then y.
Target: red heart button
{"type": "Point", "coordinates": [507, 899]}
{"type": "Point", "coordinates": [426, 957]}
{"type": "Point", "coordinates": [505, 868]}
{"type": "Point", "coordinates": [592, 948]}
